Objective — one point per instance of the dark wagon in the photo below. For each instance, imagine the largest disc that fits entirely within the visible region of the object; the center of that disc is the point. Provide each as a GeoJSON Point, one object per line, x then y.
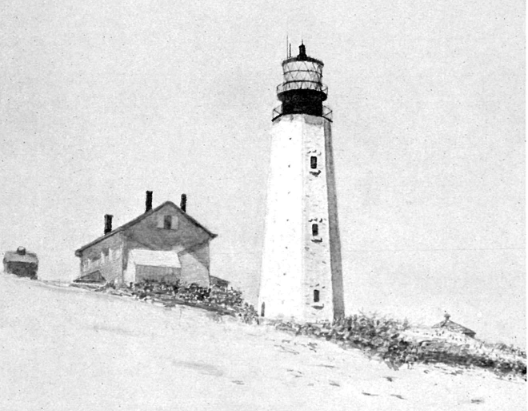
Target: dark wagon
{"type": "Point", "coordinates": [21, 263]}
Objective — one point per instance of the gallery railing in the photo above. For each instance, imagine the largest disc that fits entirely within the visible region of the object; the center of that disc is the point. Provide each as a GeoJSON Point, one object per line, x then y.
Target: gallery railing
{"type": "Point", "coordinates": [277, 112]}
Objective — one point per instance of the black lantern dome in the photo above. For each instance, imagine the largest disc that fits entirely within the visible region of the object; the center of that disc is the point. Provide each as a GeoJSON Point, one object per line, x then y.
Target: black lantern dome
{"type": "Point", "coordinates": [302, 91]}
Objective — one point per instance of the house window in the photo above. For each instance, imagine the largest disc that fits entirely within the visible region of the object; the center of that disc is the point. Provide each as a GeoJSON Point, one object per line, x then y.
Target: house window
{"type": "Point", "coordinates": [104, 255]}
{"type": "Point", "coordinates": [313, 162]}
{"type": "Point", "coordinates": [316, 296]}
{"type": "Point", "coordinates": [315, 230]}
{"type": "Point", "coordinates": [95, 260]}
{"type": "Point", "coordinates": [167, 222]}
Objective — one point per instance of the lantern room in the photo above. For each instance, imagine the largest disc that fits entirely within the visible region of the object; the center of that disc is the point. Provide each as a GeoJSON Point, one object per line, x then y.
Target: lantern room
{"type": "Point", "coordinates": [302, 91]}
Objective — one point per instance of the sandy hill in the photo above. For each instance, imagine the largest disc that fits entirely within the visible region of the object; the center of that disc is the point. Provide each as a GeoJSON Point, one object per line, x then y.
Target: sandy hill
{"type": "Point", "coordinates": [70, 349]}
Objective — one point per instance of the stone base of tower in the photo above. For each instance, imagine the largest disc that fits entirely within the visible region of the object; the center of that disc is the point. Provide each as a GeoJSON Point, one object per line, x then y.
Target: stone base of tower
{"type": "Point", "coordinates": [301, 269]}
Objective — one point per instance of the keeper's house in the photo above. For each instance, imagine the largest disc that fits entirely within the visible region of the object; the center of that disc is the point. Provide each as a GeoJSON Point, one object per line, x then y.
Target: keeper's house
{"type": "Point", "coordinates": [163, 244]}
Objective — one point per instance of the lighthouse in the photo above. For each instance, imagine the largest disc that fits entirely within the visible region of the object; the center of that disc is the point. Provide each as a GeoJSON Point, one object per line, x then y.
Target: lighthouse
{"type": "Point", "coordinates": [301, 274]}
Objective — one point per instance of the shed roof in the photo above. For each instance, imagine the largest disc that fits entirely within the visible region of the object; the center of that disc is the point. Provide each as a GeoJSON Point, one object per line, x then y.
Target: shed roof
{"type": "Point", "coordinates": [13, 256]}
{"type": "Point", "coordinates": [453, 326]}
{"type": "Point", "coordinates": [218, 280]}
{"type": "Point", "coordinates": [140, 218]}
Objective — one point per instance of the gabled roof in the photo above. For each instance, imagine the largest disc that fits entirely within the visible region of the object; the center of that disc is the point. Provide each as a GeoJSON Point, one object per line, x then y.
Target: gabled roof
{"type": "Point", "coordinates": [140, 218]}
{"type": "Point", "coordinates": [453, 326]}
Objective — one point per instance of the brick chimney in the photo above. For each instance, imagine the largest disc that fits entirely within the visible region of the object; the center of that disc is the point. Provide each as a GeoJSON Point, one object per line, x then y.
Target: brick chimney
{"type": "Point", "coordinates": [148, 201]}
{"type": "Point", "coordinates": [183, 203]}
{"type": "Point", "coordinates": [108, 223]}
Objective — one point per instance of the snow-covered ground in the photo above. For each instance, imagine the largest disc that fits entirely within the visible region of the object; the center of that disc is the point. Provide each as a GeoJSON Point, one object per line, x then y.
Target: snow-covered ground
{"type": "Point", "coordinates": [70, 349]}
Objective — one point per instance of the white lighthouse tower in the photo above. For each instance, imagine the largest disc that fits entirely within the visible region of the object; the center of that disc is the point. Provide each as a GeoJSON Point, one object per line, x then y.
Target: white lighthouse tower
{"type": "Point", "coordinates": [301, 268]}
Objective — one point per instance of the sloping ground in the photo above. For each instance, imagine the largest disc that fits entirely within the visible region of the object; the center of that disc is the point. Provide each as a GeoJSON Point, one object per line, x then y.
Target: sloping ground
{"type": "Point", "coordinates": [64, 349]}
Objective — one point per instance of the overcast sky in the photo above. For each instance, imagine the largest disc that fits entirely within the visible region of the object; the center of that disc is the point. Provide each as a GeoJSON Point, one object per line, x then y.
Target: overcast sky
{"type": "Point", "coordinates": [103, 100]}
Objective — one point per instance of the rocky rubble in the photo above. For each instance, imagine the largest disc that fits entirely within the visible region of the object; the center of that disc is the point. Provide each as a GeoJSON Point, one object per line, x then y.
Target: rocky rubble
{"type": "Point", "coordinates": [222, 300]}
{"type": "Point", "coordinates": [387, 340]}
{"type": "Point", "coordinates": [382, 338]}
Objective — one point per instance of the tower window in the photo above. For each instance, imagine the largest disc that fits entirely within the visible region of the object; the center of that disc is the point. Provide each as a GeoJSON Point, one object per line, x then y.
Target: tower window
{"type": "Point", "coordinates": [316, 296]}
{"type": "Point", "coordinates": [263, 310]}
{"type": "Point", "coordinates": [315, 230]}
{"type": "Point", "coordinates": [313, 162]}
{"type": "Point", "coordinates": [167, 222]}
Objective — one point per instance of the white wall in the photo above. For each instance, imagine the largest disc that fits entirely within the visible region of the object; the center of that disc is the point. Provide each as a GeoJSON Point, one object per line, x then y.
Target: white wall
{"type": "Point", "coordinates": [294, 265]}
{"type": "Point", "coordinates": [282, 257]}
{"type": "Point", "coordinates": [317, 261]}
